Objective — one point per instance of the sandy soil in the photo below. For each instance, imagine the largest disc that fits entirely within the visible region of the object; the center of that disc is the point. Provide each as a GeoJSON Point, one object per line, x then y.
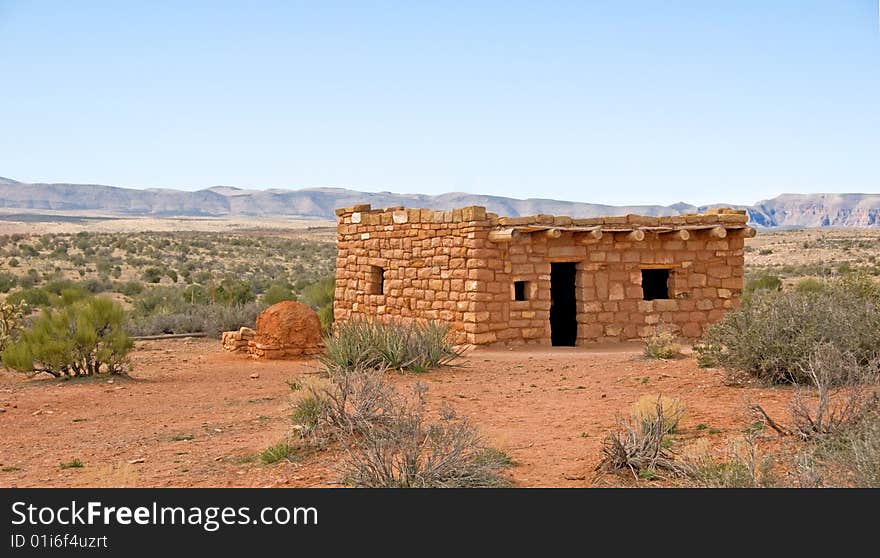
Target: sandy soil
{"type": "Point", "coordinates": [192, 415]}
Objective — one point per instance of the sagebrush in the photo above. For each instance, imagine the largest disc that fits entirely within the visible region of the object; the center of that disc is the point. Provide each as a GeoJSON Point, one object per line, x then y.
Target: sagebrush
{"type": "Point", "coordinates": [771, 335]}
{"type": "Point", "coordinates": [389, 440]}
{"type": "Point", "coordinates": [639, 444]}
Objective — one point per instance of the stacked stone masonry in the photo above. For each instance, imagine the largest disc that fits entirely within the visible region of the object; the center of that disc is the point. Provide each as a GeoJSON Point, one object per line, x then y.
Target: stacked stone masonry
{"type": "Point", "coordinates": [237, 341]}
{"type": "Point", "coordinates": [462, 266]}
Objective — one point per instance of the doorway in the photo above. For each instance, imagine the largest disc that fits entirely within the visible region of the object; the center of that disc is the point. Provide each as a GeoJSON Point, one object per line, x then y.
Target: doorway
{"type": "Point", "coordinates": [563, 304]}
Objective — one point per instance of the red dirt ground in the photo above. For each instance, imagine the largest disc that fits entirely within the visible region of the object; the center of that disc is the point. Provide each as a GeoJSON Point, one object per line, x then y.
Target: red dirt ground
{"type": "Point", "coordinates": [193, 415]}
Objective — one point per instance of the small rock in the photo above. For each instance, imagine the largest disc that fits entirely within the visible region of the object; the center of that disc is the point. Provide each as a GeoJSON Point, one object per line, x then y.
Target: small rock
{"type": "Point", "coordinates": [254, 376]}
{"type": "Point", "coordinates": [110, 381]}
{"type": "Point", "coordinates": [2, 410]}
{"type": "Point", "coordinates": [37, 412]}
{"type": "Point", "coordinates": [136, 461]}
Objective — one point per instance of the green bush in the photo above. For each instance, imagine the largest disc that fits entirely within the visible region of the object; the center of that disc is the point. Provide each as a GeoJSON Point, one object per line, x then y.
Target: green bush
{"type": "Point", "coordinates": [319, 296]}
{"type": "Point", "coordinates": [276, 453]}
{"type": "Point", "coordinates": [764, 282]}
{"type": "Point", "coordinates": [152, 275]}
{"type": "Point", "coordinates": [662, 345]}
{"type": "Point", "coordinates": [7, 281]}
{"type": "Point", "coordinates": [416, 346]}
{"type": "Point", "coordinates": [773, 333]}
{"type": "Point", "coordinates": [34, 297]}
{"type": "Point", "coordinates": [195, 294]}
{"type": "Point", "coordinates": [81, 339]}
{"type": "Point", "coordinates": [159, 300]}
{"type": "Point", "coordinates": [811, 285]}
{"type": "Point", "coordinates": [276, 293]}
{"type": "Point", "coordinates": [57, 286]}
{"type": "Point", "coordinates": [232, 292]}
{"type": "Point", "coordinates": [130, 288]}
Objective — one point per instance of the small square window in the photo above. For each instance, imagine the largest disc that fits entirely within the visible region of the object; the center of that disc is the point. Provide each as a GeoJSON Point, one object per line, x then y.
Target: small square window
{"type": "Point", "coordinates": [520, 290]}
{"type": "Point", "coordinates": [655, 284]}
{"type": "Point", "coordinates": [376, 283]}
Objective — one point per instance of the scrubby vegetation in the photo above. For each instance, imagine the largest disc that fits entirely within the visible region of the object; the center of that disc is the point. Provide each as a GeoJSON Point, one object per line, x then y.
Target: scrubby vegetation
{"type": "Point", "coordinates": [319, 296]}
{"type": "Point", "coordinates": [82, 338]}
{"type": "Point", "coordinates": [388, 439]}
{"type": "Point", "coordinates": [773, 333]}
{"type": "Point", "coordinates": [639, 445]}
{"type": "Point", "coordinates": [645, 410]}
{"type": "Point", "coordinates": [741, 466]}
{"type": "Point", "coordinates": [11, 322]}
{"type": "Point", "coordinates": [822, 337]}
{"type": "Point", "coordinates": [185, 282]}
{"type": "Point", "coordinates": [360, 343]}
{"type": "Point", "coordinates": [662, 345]}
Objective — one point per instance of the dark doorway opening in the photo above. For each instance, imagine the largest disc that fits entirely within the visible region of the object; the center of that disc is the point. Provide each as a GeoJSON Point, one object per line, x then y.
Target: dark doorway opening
{"type": "Point", "coordinates": [563, 304]}
{"type": "Point", "coordinates": [655, 284]}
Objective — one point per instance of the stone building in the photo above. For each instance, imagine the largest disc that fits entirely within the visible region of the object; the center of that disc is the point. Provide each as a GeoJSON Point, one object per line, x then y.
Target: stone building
{"type": "Point", "coordinates": [541, 279]}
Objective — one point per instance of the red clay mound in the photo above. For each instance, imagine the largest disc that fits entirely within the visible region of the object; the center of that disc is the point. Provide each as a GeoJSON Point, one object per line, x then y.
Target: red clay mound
{"type": "Point", "coordinates": [286, 330]}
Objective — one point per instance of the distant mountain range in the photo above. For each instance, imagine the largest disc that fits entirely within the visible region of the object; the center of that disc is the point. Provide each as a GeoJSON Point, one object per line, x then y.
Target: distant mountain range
{"type": "Point", "coordinates": [786, 210]}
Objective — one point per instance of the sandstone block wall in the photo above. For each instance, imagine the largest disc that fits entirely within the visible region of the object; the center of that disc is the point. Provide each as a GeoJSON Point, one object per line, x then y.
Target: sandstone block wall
{"type": "Point", "coordinates": [460, 267]}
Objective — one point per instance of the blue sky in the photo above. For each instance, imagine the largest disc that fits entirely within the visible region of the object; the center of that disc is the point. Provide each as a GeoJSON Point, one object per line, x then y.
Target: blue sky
{"type": "Point", "coordinates": [601, 101]}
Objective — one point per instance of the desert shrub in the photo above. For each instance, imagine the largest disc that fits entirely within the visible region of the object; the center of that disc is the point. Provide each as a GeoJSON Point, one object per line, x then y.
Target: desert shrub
{"type": "Point", "coordinates": [811, 285]}
{"type": "Point", "coordinates": [772, 334]}
{"type": "Point", "coordinates": [159, 300]}
{"type": "Point", "coordinates": [95, 286]}
{"type": "Point", "coordinates": [278, 452]}
{"type": "Point", "coordinates": [58, 286]}
{"type": "Point", "coordinates": [152, 275]}
{"type": "Point", "coordinates": [11, 321]}
{"type": "Point", "coordinates": [232, 292]}
{"type": "Point", "coordinates": [319, 296]}
{"type": "Point", "coordinates": [416, 346]}
{"type": "Point", "coordinates": [276, 293]}
{"type": "Point", "coordinates": [28, 281]}
{"type": "Point", "coordinates": [844, 397]}
{"type": "Point", "coordinates": [130, 288]}
{"type": "Point", "coordinates": [212, 319]}
{"type": "Point", "coordinates": [765, 282]}
{"type": "Point", "coordinates": [404, 450]}
{"type": "Point", "coordinates": [742, 466]}
{"type": "Point", "coordinates": [310, 410]}
{"type": "Point", "coordinates": [33, 297]}
{"type": "Point", "coordinates": [8, 281]}
{"type": "Point", "coordinates": [835, 416]}
{"type": "Point", "coordinates": [662, 345]}
{"type": "Point", "coordinates": [859, 286]}
{"type": "Point", "coordinates": [638, 444]}
{"type": "Point", "coordinates": [863, 453]}
{"type": "Point", "coordinates": [82, 339]}
{"type": "Point", "coordinates": [387, 438]}
{"type": "Point", "coordinates": [645, 410]}
{"type": "Point", "coordinates": [704, 355]}
{"type": "Point", "coordinates": [195, 294]}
